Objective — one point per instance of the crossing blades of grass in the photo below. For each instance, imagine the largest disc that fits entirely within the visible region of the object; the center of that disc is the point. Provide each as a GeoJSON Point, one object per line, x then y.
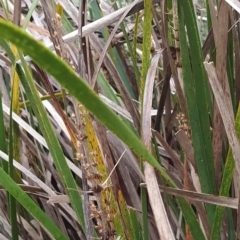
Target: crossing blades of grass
{"type": "Point", "coordinates": [7, 182]}
{"type": "Point", "coordinates": [80, 90]}
{"type": "Point", "coordinates": [53, 144]}
{"type": "Point", "coordinates": [225, 185]}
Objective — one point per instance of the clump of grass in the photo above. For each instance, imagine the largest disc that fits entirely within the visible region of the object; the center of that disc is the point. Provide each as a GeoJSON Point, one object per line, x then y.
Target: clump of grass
{"type": "Point", "coordinates": [94, 141]}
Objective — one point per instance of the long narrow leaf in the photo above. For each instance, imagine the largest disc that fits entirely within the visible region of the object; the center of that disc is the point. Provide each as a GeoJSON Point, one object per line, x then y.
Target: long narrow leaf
{"type": "Point", "coordinates": [225, 185]}
{"type": "Point", "coordinates": [200, 124]}
{"type": "Point", "coordinates": [52, 141]}
{"type": "Point", "coordinates": [30, 205]}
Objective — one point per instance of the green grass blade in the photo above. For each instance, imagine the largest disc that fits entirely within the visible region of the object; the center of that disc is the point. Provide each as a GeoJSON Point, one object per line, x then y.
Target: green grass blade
{"type": "Point", "coordinates": [231, 224]}
{"type": "Point", "coordinates": [12, 208]}
{"type": "Point", "coordinates": [15, 94]}
{"type": "Point", "coordinates": [8, 49]}
{"type": "Point", "coordinates": [191, 221]}
{"type": "Point", "coordinates": [136, 225]}
{"type": "Point", "coordinates": [29, 14]}
{"type": "Point", "coordinates": [196, 92]}
{"type": "Point", "coordinates": [225, 185]}
{"type": "Point", "coordinates": [3, 142]}
{"type": "Point", "coordinates": [147, 39]}
{"type": "Point", "coordinates": [51, 139]}
{"type": "Point", "coordinates": [7, 182]}
{"type": "Point", "coordinates": [230, 71]}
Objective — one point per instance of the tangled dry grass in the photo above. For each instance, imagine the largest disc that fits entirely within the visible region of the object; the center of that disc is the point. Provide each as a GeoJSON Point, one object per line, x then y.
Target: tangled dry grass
{"type": "Point", "coordinates": [146, 61]}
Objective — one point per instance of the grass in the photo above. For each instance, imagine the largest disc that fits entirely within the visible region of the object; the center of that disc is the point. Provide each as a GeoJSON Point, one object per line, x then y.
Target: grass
{"type": "Point", "coordinates": [80, 158]}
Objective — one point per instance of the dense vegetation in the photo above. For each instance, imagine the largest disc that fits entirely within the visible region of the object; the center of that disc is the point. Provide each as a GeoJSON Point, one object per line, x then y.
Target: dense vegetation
{"type": "Point", "coordinates": [119, 120]}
